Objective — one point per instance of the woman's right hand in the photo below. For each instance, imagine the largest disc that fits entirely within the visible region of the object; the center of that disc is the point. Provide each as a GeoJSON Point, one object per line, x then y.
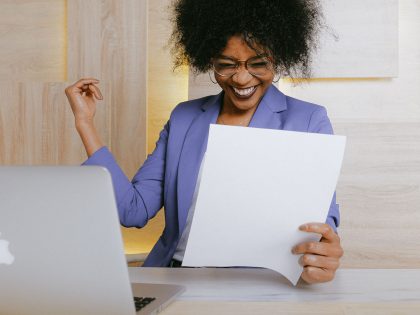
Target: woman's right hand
{"type": "Point", "coordinates": [82, 97]}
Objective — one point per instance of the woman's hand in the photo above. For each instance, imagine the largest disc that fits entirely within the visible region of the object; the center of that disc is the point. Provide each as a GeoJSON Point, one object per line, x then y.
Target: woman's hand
{"type": "Point", "coordinates": [320, 259]}
{"type": "Point", "coordinates": [81, 96]}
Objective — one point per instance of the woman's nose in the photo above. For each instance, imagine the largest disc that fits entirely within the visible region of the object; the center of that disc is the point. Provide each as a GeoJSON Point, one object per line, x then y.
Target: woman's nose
{"type": "Point", "coordinates": [242, 76]}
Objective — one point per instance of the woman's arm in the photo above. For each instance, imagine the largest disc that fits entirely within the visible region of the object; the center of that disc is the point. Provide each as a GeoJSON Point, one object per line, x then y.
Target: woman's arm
{"type": "Point", "coordinates": [82, 97]}
{"type": "Point", "coordinates": [320, 260]}
{"type": "Point", "coordinates": [137, 201]}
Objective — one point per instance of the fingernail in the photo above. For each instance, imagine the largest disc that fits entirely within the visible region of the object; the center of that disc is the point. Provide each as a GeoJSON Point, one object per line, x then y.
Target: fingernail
{"type": "Point", "coordinates": [293, 250]}
{"type": "Point", "coordinates": [303, 227]}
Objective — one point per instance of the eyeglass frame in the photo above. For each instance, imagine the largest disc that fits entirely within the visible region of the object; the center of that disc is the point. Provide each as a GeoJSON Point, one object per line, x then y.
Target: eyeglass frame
{"type": "Point", "coordinates": [245, 62]}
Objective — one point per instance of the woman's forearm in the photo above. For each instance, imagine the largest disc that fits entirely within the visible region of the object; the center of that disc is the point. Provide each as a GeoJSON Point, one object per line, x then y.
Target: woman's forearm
{"type": "Point", "coordinates": [90, 137]}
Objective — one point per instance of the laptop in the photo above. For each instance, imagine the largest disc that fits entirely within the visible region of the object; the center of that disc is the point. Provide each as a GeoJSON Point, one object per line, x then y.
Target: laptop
{"type": "Point", "coordinates": [61, 250]}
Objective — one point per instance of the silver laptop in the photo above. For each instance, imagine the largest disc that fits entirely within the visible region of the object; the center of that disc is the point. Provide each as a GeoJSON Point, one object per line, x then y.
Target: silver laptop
{"type": "Point", "coordinates": [61, 250]}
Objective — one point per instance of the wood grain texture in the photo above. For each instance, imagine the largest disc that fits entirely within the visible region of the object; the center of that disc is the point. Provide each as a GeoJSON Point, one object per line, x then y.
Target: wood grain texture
{"type": "Point", "coordinates": [37, 126]}
{"type": "Point", "coordinates": [263, 291]}
{"type": "Point", "coordinates": [379, 194]}
{"type": "Point", "coordinates": [84, 30]}
{"type": "Point", "coordinates": [108, 40]}
{"type": "Point", "coordinates": [102, 44]}
{"type": "Point", "coordinates": [32, 40]}
{"type": "Point", "coordinates": [252, 308]}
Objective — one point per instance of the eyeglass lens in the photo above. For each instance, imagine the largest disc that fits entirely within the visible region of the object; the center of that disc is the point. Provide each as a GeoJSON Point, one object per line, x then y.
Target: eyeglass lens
{"type": "Point", "coordinates": [256, 66]}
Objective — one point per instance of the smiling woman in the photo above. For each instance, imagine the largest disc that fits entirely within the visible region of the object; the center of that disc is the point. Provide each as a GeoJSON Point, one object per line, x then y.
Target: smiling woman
{"type": "Point", "coordinates": [245, 44]}
{"type": "Point", "coordinates": [277, 36]}
{"type": "Point", "coordinates": [244, 86]}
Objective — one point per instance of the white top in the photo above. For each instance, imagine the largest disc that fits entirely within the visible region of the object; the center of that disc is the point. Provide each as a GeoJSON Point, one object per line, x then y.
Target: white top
{"type": "Point", "coordinates": [180, 250]}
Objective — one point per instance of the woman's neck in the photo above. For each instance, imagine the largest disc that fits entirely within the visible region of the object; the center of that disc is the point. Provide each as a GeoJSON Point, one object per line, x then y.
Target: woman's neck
{"type": "Point", "coordinates": [231, 115]}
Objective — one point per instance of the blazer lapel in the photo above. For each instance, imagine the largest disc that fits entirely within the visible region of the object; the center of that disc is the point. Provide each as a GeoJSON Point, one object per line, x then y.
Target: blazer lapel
{"type": "Point", "coordinates": [193, 149]}
{"type": "Point", "coordinates": [268, 113]}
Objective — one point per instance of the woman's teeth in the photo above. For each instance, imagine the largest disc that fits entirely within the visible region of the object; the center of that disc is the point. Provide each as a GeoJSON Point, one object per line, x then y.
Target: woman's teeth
{"type": "Point", "coordinates": [244, 92]}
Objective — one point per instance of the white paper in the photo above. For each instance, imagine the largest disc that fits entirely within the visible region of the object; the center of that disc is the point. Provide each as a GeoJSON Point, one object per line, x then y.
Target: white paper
{"type": "Point", "coordinates": [257, 187]}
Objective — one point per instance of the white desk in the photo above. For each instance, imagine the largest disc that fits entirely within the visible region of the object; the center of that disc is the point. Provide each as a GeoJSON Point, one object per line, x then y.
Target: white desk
{"type": "Point", "coordinates": [259, 291]}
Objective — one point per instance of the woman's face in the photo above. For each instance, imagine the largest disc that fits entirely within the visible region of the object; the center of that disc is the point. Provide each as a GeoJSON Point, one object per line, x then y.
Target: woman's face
{"type": "Point", "coordinates": [243, 91]}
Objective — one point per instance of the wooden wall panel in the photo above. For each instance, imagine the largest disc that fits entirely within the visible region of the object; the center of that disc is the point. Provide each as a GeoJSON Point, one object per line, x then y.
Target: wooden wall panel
{"type": "Point", "coordinates": [84, 31]}
{"type": "Point", "coordinates": [32, 40]}
{"type": "Point", "coordinates": [108, 40]}
{"type": "Point", "coordinates": [379, 195]}
{"type": "Point", "coordinates": [125, 68]}
{"type": "Point", "coordinates": [36, 125]}
{"type": "Point", "coordinates": [61, 140]}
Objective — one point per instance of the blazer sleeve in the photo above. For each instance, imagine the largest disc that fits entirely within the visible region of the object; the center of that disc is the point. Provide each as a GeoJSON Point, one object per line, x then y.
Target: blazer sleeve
{"type": "Point", "coordinates": [320, 123]}
{"type": "Point", "coordinates": [139, 200]}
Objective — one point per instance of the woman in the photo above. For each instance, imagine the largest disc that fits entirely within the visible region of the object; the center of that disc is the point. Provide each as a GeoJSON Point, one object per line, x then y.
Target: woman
{"type": "Point", "coordinates": [245, 45]}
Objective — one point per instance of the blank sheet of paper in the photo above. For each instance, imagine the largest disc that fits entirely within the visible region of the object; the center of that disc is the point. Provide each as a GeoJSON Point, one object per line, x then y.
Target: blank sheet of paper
{"type": "Point", "coordinates": [257, 187]}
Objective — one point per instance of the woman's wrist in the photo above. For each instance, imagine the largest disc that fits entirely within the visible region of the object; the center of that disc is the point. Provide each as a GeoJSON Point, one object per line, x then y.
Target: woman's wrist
{"type": "Point", "coordinates": [82, 125]}
{"type": "Point", "coordinates": [89, 135]}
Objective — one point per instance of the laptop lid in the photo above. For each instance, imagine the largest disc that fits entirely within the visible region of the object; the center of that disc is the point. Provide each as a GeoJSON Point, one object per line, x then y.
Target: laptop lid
{"type": "Point", "coordinates": [61, 249]}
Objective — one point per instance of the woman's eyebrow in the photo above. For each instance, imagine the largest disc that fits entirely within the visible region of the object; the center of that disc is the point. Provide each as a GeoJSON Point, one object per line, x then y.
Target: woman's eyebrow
{"type": "Point", "coordinates": [226, 57]}
{"type": "Point", "coordinates": [235, 59]}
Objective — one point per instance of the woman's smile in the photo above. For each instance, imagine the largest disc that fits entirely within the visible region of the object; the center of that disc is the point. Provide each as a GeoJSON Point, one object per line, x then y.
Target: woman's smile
{"type": "Point", "coordinates": [244, 93]}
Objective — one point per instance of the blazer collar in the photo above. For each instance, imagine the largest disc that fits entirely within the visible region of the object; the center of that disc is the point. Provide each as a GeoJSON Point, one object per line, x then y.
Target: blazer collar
{"type": "Point", "coordinates": [268, 111]}
{"type": "Point", "coordinates": [274, 99]}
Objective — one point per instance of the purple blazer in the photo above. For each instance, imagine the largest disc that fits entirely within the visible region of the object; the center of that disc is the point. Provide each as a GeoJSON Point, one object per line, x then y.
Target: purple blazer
{"type": "Point", "coordinates": [168, 176]}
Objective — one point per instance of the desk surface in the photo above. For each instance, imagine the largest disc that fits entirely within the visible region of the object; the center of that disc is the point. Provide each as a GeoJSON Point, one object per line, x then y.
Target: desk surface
{"type": "Point", "coordinates": [260, 291]}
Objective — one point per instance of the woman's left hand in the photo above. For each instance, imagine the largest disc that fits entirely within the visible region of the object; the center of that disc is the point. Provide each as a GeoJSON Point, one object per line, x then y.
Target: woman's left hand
{"type": "Point", "coordinates": [320, 260]}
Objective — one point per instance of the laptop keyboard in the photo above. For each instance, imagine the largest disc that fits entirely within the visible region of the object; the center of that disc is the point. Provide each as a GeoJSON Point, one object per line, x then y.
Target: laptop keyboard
{"type": "Point", "coordinates": [141, 302]}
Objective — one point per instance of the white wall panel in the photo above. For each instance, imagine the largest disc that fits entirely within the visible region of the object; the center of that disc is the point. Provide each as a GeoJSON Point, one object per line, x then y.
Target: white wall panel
{"type": "Point", "coordinates": [361, 40]}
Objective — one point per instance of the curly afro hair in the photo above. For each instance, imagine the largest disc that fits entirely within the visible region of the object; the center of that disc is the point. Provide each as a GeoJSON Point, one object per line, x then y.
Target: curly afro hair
{"type": "Point", "coordinates": [286, 29]}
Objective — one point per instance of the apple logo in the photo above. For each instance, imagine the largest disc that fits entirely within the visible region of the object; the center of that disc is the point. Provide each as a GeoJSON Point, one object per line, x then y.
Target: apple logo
{"type": "Point", "coordinates": [5, 256]}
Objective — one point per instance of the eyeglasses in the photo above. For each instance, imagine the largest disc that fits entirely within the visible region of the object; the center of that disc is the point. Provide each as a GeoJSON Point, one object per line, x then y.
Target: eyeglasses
{"type": "Point", "coordinates": [257, 66]}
